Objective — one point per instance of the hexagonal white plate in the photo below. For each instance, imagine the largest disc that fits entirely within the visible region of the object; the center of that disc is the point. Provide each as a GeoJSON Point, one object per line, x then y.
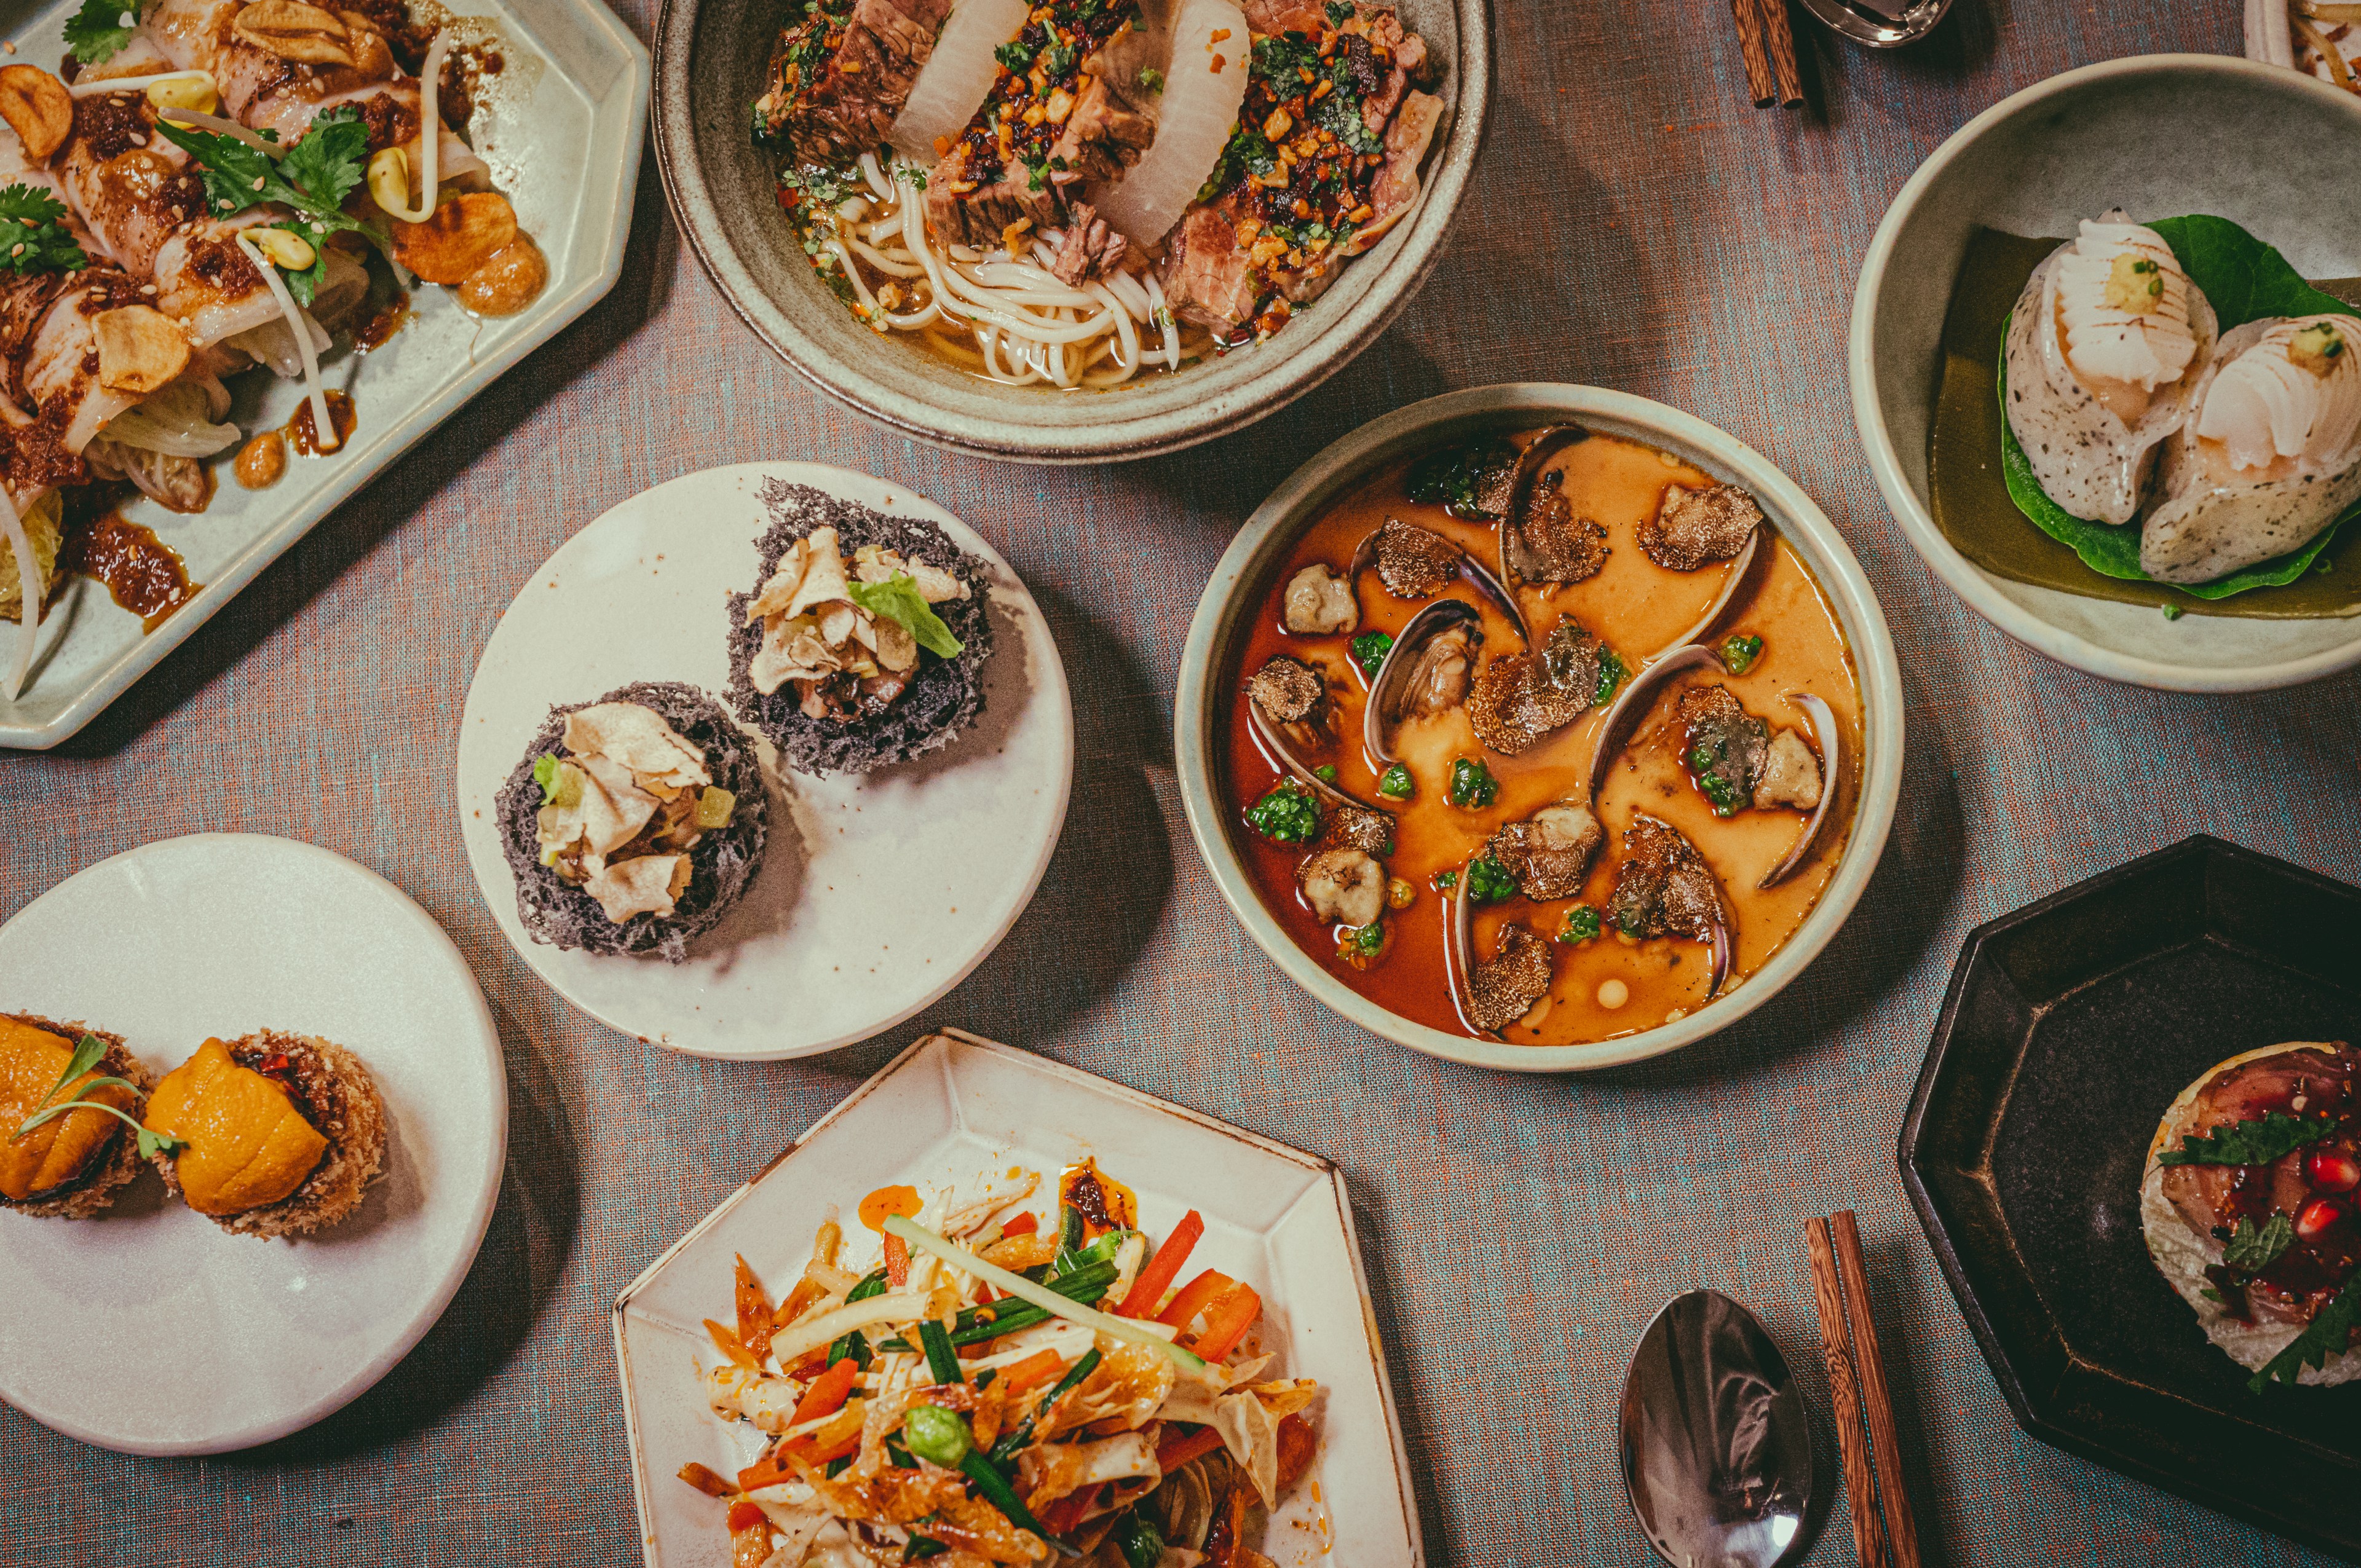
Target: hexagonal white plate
{"type": "Point", "coordinates": [954, 1108]}
{"type": "Point", "coordinates": [562, 127]}
{"type": "Point", "coordinates": [224, 1341]}
{"type": "Point", "coordinates": [879, 892]}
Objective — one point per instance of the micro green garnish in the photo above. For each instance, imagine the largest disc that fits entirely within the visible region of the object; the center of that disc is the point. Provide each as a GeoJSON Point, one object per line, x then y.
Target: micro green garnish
{"type": "Point", "coordinates": [1739, 651]}
{"type": "Point", "coordinates": [314, 176]}
{"type": "Point", "coordinates": [2250, 1251]}
{"type": "Point", "coordinates": [33, 236]}
{"type": "Point", "coordinates": [87, 1057]}
{"type": "Point", "coordinates": [897, 598]}
{"type": "Point", "coordinates": [97, 32]}
{"type": "Point", "coordinates": [1473, 787]}
{"type": "Point", "coordinates": [1445, 881]}
{"type": "Point", "coordinates": [1488, 881]}
{"type": "Point", "coordinates": [1395, 784]}
{"type": "Point", "coordinates": [1325, 772]}
{"type": "Point", "coordinates": [1287, 814]}
{"type": "Point", "coordinates": [1581, 924]}
{"type": "Point", "coordinates": [2257, 1141]}
{"type": "Point", "coordinates": [2325, 1336]}
{"type": "Point", "coordinates": [1369, 939]}
{"type": "Point", "coordinates": [1369, 650]}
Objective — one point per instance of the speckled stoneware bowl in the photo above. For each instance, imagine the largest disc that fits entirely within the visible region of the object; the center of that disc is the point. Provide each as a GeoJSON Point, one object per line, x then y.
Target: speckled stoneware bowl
{"type": "Point", "coordinates": [1208, 665]}
{"type": "Point", "coordinates": [2160, 134]}
{"type": "Point", "coordinates": [712, 57]}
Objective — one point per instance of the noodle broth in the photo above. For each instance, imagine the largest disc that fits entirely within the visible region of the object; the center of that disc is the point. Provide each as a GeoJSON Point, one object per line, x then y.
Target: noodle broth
{"type": "Point", "coordinates": [1636, 607]}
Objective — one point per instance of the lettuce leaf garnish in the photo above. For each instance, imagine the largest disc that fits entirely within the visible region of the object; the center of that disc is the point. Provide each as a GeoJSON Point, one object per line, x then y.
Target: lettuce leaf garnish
{"type": "Point", "coordinates": [897, 598]}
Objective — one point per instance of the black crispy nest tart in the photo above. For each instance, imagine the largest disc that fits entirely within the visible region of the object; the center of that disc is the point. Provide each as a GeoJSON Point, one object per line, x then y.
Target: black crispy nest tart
{"type": "Point", "coordinates": [723, 864]}
{"type": "Point", "coordinates": [945, 697]}
{"type": "Point", "coordinates": [99, 1182]}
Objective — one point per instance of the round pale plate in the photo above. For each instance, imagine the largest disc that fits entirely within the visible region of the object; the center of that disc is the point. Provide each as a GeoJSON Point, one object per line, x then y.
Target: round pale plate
{"type": "Point", "coordinates": [879, 892]}
{"type": "Point", "coordinates": [150, 1330]}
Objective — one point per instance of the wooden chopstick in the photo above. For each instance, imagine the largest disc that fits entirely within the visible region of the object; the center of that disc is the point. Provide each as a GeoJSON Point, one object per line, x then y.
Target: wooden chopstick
{"type": "Point", "coordinates": [1884, 1531]}
{"type": "Point", "coordinates": [1759, 81]}
{"type": "Point", "coordinates": [1782, 54]}
{"type": "Point", "coordinates": [1853, 1442]}
{"type": "Point", "coordinates": [1885, 1448]}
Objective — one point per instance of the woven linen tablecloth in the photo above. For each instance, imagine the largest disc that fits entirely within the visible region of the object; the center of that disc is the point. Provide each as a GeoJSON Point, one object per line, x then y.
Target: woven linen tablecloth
{"type": "Point", "coordinates": [1634, 224]}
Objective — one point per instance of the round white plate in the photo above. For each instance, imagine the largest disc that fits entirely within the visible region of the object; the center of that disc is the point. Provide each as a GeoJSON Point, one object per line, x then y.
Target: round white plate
{"type": "Point", "coordinates": [879, 892]}
{"type": "Point", "coordinates": [221, 1342]}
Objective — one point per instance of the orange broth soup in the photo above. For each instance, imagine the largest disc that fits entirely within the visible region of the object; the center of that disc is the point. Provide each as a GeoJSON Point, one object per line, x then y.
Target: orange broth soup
{"type": "Point", "coordinates": [1611, 984]}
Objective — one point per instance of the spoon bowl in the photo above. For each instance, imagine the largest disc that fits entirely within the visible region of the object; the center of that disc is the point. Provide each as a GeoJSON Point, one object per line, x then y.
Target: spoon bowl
{"type": "Point", "coordinates": [1880, 24]}
{"type": "Point", "coordinates": [1716, 1441]}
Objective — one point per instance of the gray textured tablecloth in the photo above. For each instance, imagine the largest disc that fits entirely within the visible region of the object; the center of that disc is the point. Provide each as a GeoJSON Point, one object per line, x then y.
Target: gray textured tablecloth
{"type": "Point", "coordinates": [1635, 224]}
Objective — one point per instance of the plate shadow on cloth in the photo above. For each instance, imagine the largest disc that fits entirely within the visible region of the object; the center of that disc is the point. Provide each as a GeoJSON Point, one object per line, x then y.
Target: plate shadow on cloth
{"type": "Point", "coordinates": [505, 1293]}
{"type": "Point", "coordinates": [392, 501]}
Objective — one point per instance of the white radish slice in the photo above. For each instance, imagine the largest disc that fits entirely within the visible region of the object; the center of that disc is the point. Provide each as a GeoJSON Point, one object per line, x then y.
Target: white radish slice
{"type": "Point", "coordinates": [1199, 109]}
{"type": "Point", "coordinates": [957, 78]}
{"type": "Point", "coordinates": [324, 427]}
{"type": "Point", "coordinates": [429, 143]}
{"type": "Point", "coordinates": [28, 574]}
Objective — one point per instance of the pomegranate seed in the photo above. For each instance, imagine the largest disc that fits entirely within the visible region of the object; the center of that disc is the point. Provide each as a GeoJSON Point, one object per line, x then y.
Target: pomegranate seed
{"type": "Point", "coordinates": [2331, 1170]}
{"type": "Point", "coordinates": [2317, 1216]}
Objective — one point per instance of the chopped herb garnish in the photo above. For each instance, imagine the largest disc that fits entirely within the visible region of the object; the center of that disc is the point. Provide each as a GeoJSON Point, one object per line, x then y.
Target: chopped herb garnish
{"type": "Point", "coordinates": [1325, 772]}
{"type": "Point", "coordinates": [1445, 881]}
{"type": "Point", "coordinates": [313, 177]}
{"type": "Point", "coordinates": [1473, 787]}
{"type": "Point", "coordinates": [1488, 881]}
{"type": "Point", "coordinates": [1287, 814]}
{"type": "Point", "coordinates": [1739, 651]}
{"type": "Point", "coordinates": [1394, 784]}
{"type": "Point", "coordinates": [1369, 650]}
{"type": "Point", "coordinates": [2327, 1335]}
{"type": "Point", "coordinates": [2257, 1141]}
{"type": "Point", "coordinates": [1367, 939]}
{"type": "Point", "coordinates": [1152, 80]}
{"type": "Point", "coordinates": [1581, 924]}
{"type": "Point", "coordinates": [1610, 676]}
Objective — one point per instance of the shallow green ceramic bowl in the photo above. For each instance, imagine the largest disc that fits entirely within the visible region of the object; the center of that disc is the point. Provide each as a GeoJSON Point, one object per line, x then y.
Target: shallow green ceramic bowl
{"type": "Point", "coordinates": [2160, 136]}
{"type": "Point", "coordinates": [711, 60]}
{"type": "Point", "coordinates": [1209, 686]}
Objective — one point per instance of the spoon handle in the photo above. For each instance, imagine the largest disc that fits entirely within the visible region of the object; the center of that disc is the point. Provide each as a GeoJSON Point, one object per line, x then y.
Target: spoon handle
{"type": "Point", "coordinates": [1852, 1439]}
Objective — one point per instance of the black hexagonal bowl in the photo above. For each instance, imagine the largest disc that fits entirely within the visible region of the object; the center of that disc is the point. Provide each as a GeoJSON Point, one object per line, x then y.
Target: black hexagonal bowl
{"type": "Point", "coordinates": [2068, 1028]}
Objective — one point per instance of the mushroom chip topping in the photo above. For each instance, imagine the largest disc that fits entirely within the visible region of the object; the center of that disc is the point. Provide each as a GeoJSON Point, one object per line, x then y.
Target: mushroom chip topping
{"type": "Point", "coordinates": [817, 633]}
{"type": "Point", "coordinates": [625, 808]}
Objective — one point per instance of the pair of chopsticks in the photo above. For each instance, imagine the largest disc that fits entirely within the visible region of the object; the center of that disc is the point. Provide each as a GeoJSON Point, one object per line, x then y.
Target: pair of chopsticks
{"type": "Point", "coordinates": [1872, 1456]}
{"type": "Point", "coordinates": [1768, 43]}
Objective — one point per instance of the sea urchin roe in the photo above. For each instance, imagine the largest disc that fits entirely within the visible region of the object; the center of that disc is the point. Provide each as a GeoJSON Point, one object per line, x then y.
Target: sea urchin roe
{"type": "Point", "coordinates": [248, 1144]}
{"type": "Point", "coordinates": [31, 1062]}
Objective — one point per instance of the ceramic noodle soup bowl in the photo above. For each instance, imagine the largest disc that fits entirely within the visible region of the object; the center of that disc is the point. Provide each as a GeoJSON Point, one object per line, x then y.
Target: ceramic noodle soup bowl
{"type": "Point", "coordinates": [1539, 727]}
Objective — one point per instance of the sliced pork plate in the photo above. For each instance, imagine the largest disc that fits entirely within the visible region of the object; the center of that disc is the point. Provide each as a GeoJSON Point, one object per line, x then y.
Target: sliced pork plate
{"type": "Point", "coordinates": [1080, 192]}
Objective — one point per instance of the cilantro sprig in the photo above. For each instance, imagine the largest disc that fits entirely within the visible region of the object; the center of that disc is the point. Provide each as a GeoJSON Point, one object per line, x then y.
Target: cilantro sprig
{"type": "Point", "coordinates": [314, 176]}
{"type": "Point", "coordinates": [87, 1057]}
{"type": "Point", "coordinates": [33, 236]}
{"type": "Point", "coordinates": [96, 33]}
{"type": "Point", "coordinates": [2325, 1336]}
{"type": "Point", "coordinates": [2259, 1141]}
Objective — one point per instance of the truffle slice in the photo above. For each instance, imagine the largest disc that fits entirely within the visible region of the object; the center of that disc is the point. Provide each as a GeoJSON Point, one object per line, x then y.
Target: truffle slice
{"type": "Point", "coordinates": [1414, 562]}
{"type": "Point", "coordinates": [1663, 887]}
{"type": "Point", "coordinates": [1549, 854]}
{"type": "Point", "coordinates": [1549, 543]}
{"type": "Point", "coordinates": [1505, 986]}
{"type": "Point", "coordinates": [1357, 828]}
{"type": "Point", "coordinates": [1694, 527]}
{"type": "Point", "coordinates": [1289, 691]}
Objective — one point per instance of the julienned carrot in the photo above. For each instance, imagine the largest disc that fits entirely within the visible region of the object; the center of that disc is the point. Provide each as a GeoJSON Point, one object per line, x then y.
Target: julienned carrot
{"type": "Point", "coordinates": [827, 1395]}
{"type": "Point", "coordinates": [897, 1261]}
{"type": "Point", "coordinates": [1193, 1299]}
{"type": "Point", "coordinates": [727, 1344]}
{"type": "Point", "coordinates": [1023, 1225]}
{"type": "Point", "coordinates": [1226, 1321]}
{"type": "Point", "coordinates": [1163, 1268]}
{"type": "Point", "coordinates": [1176, 1450]}
{"type": "Point", "coordinates": [744, 1515]}
{"type": "Point", "coordinates": [1032, 1372]}
{"type": "Point", "coordinates": [754, 1311]}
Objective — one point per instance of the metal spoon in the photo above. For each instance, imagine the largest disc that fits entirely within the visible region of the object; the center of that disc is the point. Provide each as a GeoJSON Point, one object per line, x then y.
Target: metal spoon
{"type": "Point", "coordinates": [1831, 748]}
{"type": "Point", "coordinates": [1716, 1441]}
{"type": "Point", "coordinates": [1880, 24]}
